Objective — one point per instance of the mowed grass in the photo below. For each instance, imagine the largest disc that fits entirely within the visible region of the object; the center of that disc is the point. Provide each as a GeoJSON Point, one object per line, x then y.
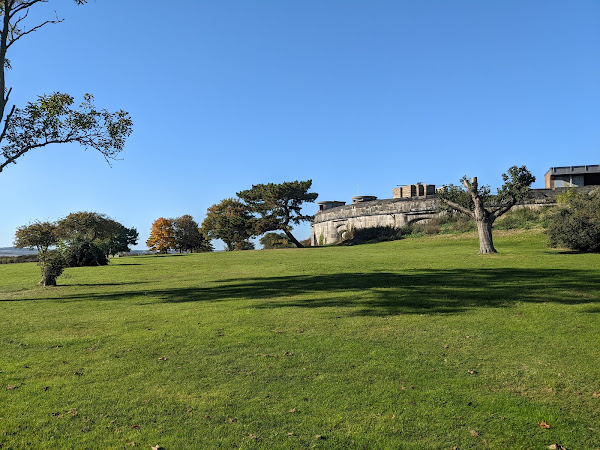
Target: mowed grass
{"type": "Point", "coordinates": [419, 343]}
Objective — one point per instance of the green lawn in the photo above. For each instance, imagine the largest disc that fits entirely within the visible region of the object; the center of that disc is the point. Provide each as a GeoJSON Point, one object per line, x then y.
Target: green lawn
{"type": "Point", "coordinates": [419, 343]}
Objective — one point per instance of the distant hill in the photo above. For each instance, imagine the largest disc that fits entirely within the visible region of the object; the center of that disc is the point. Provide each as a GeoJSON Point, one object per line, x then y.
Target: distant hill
{"type": "Point", "coordinates": [12, 251]}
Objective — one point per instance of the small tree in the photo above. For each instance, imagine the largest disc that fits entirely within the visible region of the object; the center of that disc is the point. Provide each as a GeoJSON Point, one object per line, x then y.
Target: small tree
{"type": "Point", "coordinates": [41, 236]}
{"type": "Point", "coordinates": [275, 240]}
{"type": "Point", "coordinates": [476, 202]}
{"type": "Point", "coordinates": [575, 224]}
{"type": "Point", "coordinates": [231, 221]}
{"type": "Point", "coordinates": [161, 238]}
{"type": "Point", "coordinates": [279, 205]}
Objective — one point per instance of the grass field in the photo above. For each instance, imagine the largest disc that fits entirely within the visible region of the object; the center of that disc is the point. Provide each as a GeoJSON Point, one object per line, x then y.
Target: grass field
{"type": "Point", "coordinates": [419, 343]}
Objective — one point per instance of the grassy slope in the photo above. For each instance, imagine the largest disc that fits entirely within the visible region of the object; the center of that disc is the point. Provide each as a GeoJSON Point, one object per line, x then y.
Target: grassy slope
{"type": "Point", "coordinates": [367, 346]}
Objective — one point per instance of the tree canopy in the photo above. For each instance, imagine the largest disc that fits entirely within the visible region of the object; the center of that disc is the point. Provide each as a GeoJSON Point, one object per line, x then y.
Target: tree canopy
{"type": "Point", "coordinates": [105, 233]}
{"type": "Point", "coordinates": [279, 205]}
{"type": "Point", "coordinates": [231, 221]}
{"type": "Point", "coordinates": [188, 236]}
{"type": "Point", "coordinates": [477, 202]}
{"type": "Point", "coordinates": [161, 238]}
{"type": "Point", "coordinates": [51, 119]}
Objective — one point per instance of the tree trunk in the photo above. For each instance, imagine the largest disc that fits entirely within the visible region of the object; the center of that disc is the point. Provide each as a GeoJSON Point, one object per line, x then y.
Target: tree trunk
{"type": "Point", "coordinates": [293, 239]}
{"type": "Point", "coordinates": [484, 230]}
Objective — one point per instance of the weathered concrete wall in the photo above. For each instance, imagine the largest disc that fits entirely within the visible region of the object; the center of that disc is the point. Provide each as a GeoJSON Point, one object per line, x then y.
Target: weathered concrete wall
{"type": "Point", "coordinates": [329, 226]}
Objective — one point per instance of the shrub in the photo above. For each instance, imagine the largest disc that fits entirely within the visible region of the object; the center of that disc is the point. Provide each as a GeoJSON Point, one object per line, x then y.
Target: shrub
{"type": "Point", "coordinates": [52, 264]}
{"type": "Point", "coordinates": [275, 240]}
{"type": "Point", "coordinates": [18, 259]}
{"type": "Point", "coordinates": [575, 224]}
{"type": "Point", "coordinates": [84, 253]}
{"type": "Point", "coordinates": [523, 218]}
{"type": "Point", "coordinates": [356, 236]}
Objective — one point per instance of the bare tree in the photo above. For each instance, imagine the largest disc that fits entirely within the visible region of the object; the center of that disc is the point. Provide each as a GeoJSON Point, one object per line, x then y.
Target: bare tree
{"type": "Point", "coordinates": [51, 119]}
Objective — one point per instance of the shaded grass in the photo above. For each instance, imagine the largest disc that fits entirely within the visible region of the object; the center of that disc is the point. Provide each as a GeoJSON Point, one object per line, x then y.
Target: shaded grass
{"type": "Point", "coordinates": [370, 346]}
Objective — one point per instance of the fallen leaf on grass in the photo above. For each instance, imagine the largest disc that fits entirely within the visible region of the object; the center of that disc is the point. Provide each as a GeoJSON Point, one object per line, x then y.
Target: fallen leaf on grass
{"type": "Point", "coordinates": [10, 387]}
{"type": "Point", "coordinates": [543, 424]}
{"type": "Point", "coordinates": [253, 436]}
{"type": "Point", "coordinates": [596, 395]}
{"type": "Point", "coordinates": [474, 433]}
{"type": "Point", "coordinates": [293, 410]}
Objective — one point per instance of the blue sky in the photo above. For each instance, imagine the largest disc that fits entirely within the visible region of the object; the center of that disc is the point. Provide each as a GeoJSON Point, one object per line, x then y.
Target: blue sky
{"type": "Point", "coordinates": [359, 96]}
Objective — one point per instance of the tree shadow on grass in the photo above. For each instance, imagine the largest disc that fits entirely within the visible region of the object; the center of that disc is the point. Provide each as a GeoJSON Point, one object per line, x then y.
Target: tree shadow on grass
{"type": "Point", "coordinates": [384, 293]}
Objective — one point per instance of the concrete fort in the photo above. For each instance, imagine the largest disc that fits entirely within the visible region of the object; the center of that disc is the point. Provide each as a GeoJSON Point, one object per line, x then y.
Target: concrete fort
{"type": "Point", "coordinates": [335, 218]}
{"type": "Point", "coordinates": [329, 225]}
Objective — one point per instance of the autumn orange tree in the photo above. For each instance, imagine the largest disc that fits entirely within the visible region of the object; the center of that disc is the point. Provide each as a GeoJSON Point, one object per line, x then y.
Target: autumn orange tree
{"type": "Point", "coordinates": [162, 236]}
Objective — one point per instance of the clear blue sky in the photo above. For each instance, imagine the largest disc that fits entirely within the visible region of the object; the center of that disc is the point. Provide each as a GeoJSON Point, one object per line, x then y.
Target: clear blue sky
{"type": "Point", "coordinates": [226, 94]}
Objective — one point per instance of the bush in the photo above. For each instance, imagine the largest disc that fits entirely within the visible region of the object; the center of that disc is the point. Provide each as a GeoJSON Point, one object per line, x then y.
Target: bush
{"type": "Point", "coordinates": [356, 236]}
{"type": "Point", "coordinates": [275, 240]}
{"type": "Point", "coordinates": [523, 218]}
{"type": "Point", "coordinates": [575, 224]}
{"type": "Point", "coordinates": [52, 264]}
{"type": "Point", "coordinates": [84, 253]}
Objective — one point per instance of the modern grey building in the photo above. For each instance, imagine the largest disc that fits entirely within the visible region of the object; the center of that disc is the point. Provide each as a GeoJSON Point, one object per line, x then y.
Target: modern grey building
{"type": "Point", "coordinates": [572, 176]}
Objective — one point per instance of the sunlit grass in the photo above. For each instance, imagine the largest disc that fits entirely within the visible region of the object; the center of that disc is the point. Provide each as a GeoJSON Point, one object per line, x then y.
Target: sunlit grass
{"type": "Point", "coordinates": [419, 343]}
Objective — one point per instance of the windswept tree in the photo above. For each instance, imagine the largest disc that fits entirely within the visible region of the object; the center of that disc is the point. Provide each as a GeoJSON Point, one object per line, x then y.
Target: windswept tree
{"type": "Point", "coordinates": [42, 236]}
{"type": "Point", "coordinates": [110, 236]}
{"type": "Point", "coordinates": [231, 222]}
{"type": "Point", "coordinates": [188, 236]}
{"type": "Point", "coordinates": [476, 201]}
{"type": "Point", "coordinates": [279, 206]}
{"type": "Point", "coordinates": [162, 237]}
{"type": "Point", "coordinates": [52, 118]}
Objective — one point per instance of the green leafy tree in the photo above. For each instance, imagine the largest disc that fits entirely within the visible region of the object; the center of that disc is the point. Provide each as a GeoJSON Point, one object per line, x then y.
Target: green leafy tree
{"type": "Point", "coordinates": [101, 231]}
{"type": "Point", "coordinates": [188, 236]}
{"type": "Point", "coordinates": [88, 225]}
{"type": "Point", "coordinates": [51, 119]}
{"type": "Point", "coordinates": [575, 223]}
{"type": "Point", "coordinates": [476, 201]}
{"type": "Point", "coordinates": [42, 236]}
{"type": "Point", "coordinates": [274, 240]}
{"type": "Point", "coordinates": [279, 206]}
{"type": "Point", "coordinates": [121, 242]}
{"type": "Point", "coordinates": [231, 221]}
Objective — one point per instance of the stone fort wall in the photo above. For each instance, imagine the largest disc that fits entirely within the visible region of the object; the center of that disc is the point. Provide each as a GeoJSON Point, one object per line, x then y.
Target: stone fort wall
{"type": "Point", "coordinates": [329, 225]}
